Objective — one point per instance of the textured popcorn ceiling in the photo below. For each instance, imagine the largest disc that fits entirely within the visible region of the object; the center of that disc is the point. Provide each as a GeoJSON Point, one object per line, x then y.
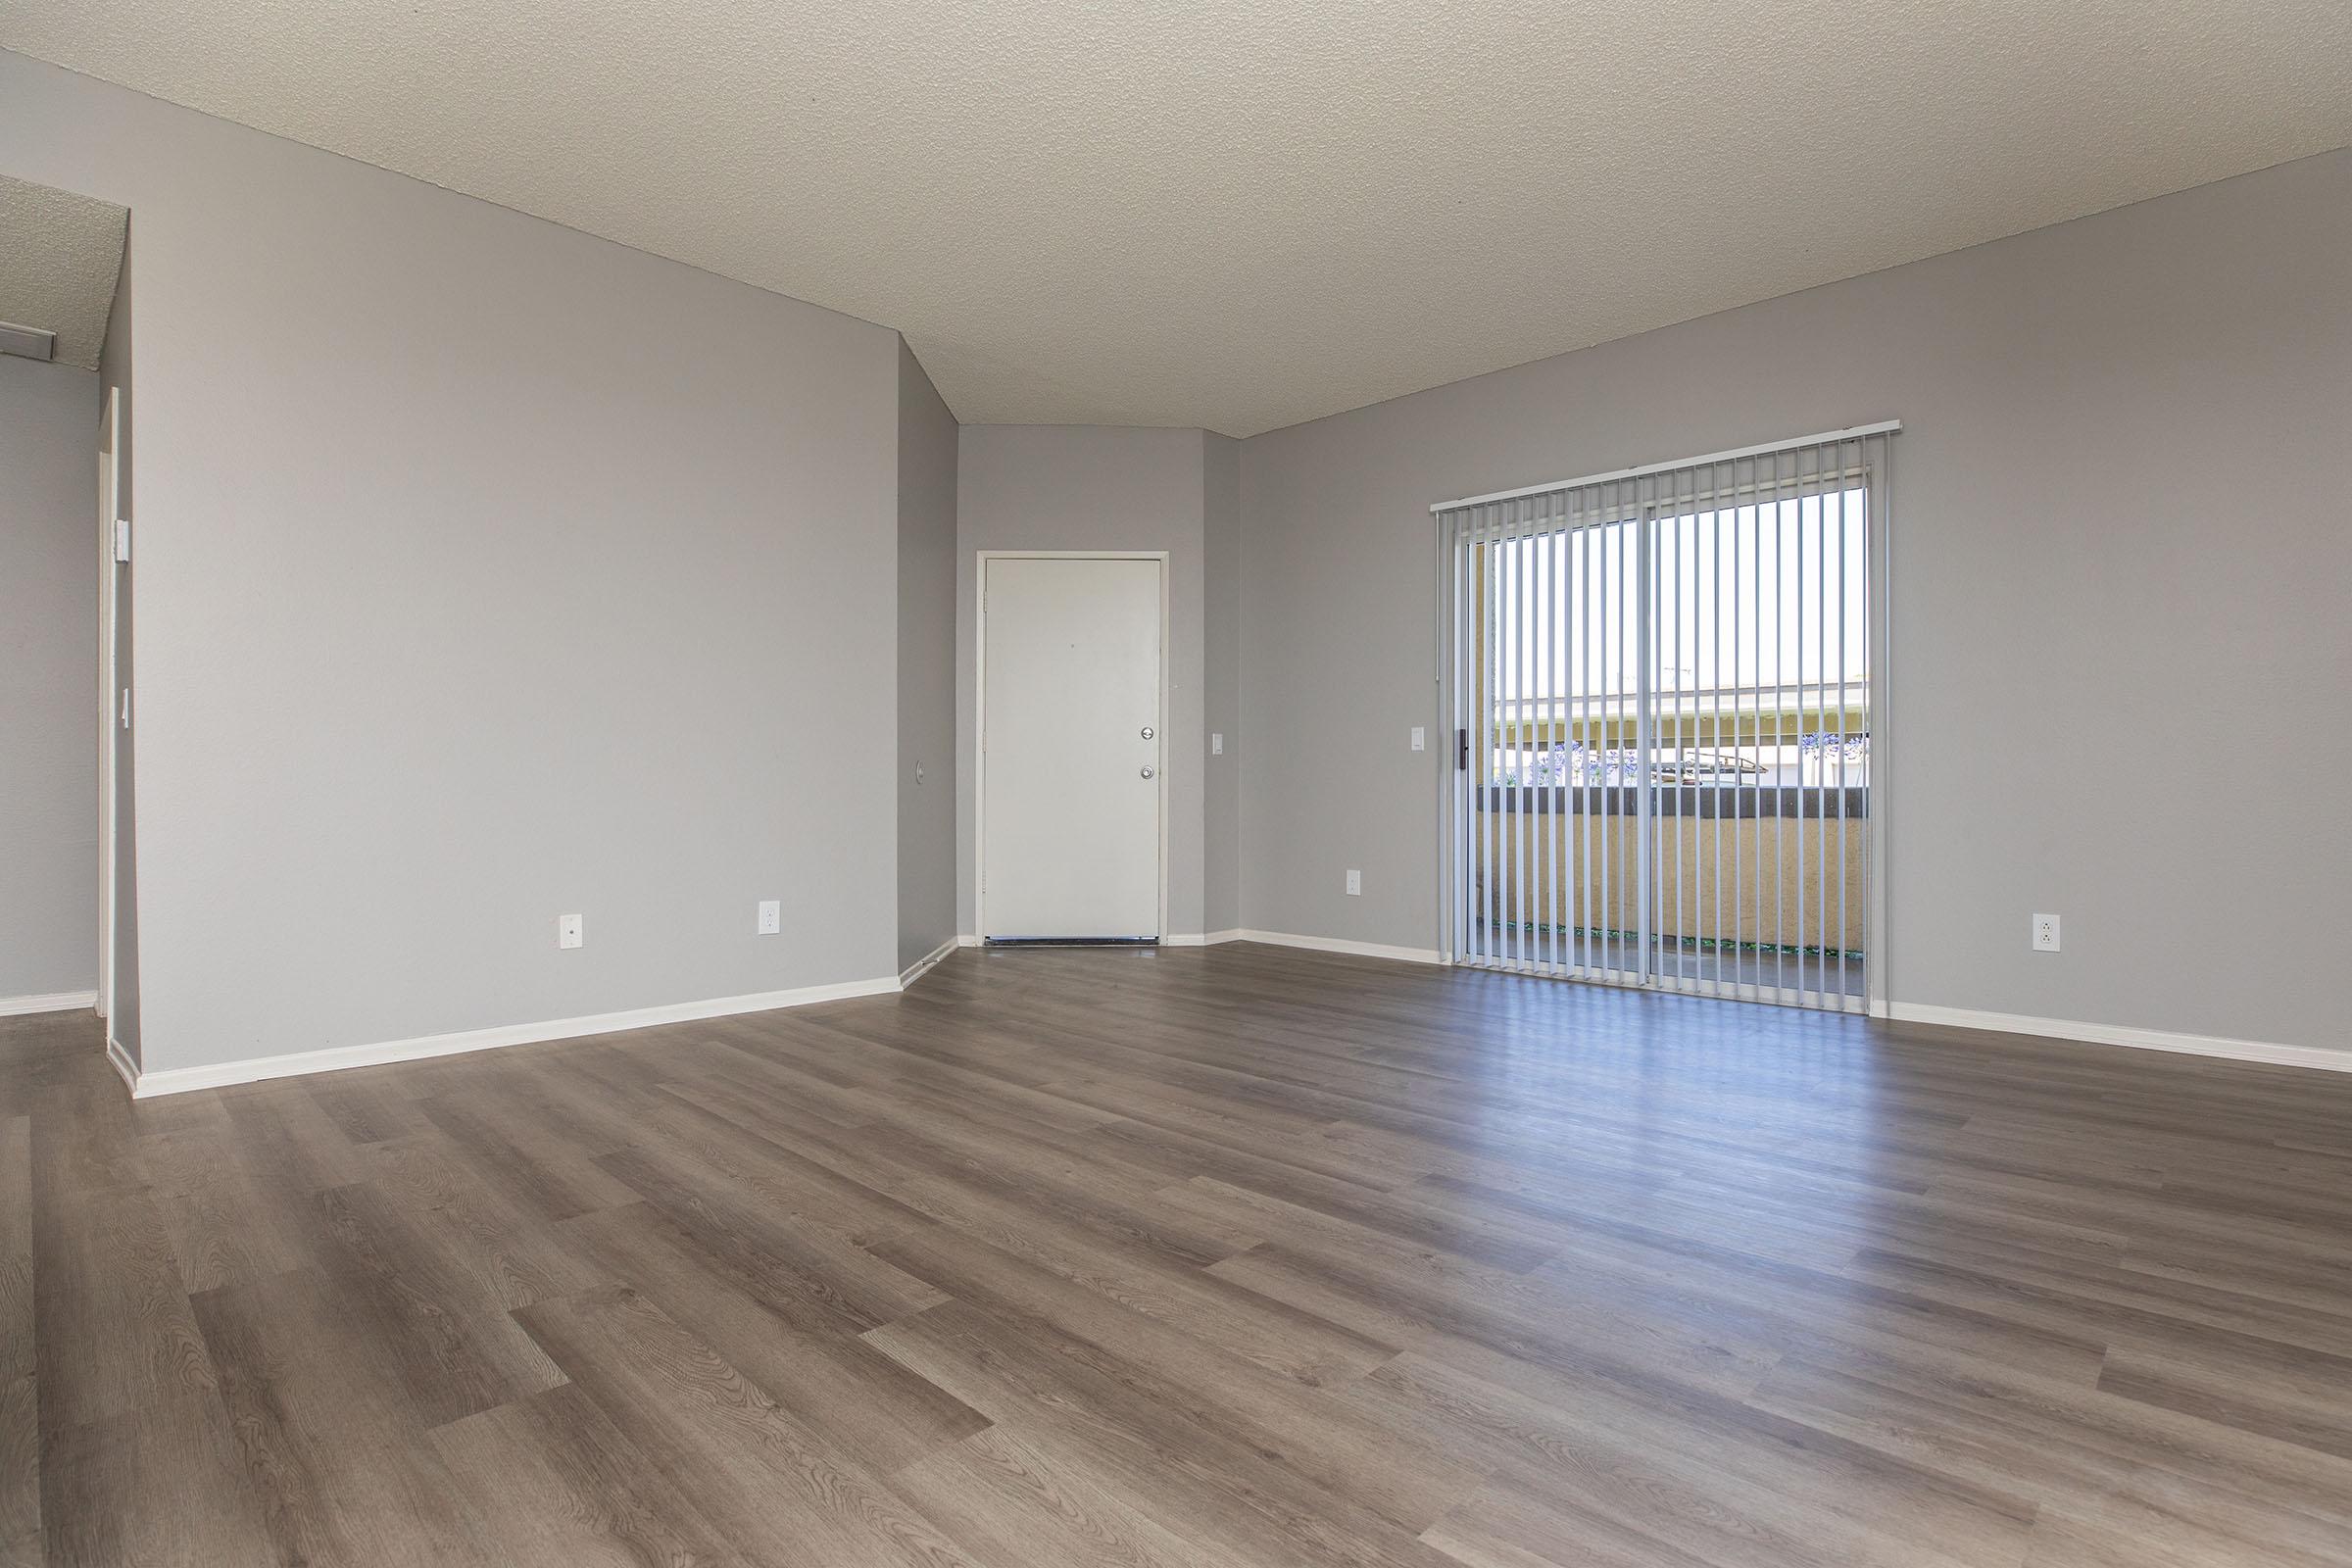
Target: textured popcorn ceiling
{"type": "Point", "coordinates": [59, 255]}
{"type": "Point", "coordinates": [1240, 213]}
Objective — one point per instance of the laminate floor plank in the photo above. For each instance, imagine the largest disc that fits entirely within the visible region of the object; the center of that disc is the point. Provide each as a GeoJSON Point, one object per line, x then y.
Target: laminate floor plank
{"type": "Point", "coordinates": [820, 1369]}
{"type": "Point", "coordinates": [112, 1333]}
{"type": "Point", "coordinates": [1013, 1504]}
{"type": "Point", "coordinates": [331, 1421]}
{"type": "Point", "coordinates": [775, 1489]}
{"type": "Point", "coordinates": [521, 1152]}
{"type": "Point", "coordinates": [1167, 1375]}
{"type": "Point", "coordinates": [556, 1485]}
{"type": "Point", "coordinates": [1225, 1257]}
{"type": "Point", "coordinates": [1196, 1478]}
{"type": "Point", "coordinates": [224, 1226]}
{"type": "Point", "coordinates": [163, 1485]}
{"type": "Point", "coordinates": [20, 1364]}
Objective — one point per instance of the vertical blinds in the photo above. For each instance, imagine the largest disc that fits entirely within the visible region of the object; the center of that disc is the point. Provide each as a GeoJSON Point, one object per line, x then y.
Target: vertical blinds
{"type": "Point", "coordinates": [1664, 685]}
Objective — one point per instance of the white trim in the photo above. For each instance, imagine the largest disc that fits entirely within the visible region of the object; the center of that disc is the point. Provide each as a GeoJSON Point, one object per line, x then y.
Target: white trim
{"type": "Point", "coordinates": [929, 961]}
{"type": "Point", "coordinates": [180, 1080]}
{"type": "Point", "coordinates": [1202, 939]}
{"type": "Point", "coordinates": [965, 939]}
{"type": "Point", "coordinates": [47, 1002]}
{"type": "Point", "coordinates": [981, 558]}
{"type": "Point", "coordinates": [1882, 427]}
{"type": "Point", "coordinates": [126, 1068]}
{"type": "Point", "coordinates": [110, 733]}
{"type": "Point", "coordinates": [1361, 950]}
{"type": "Point", "coordinates": [2114, 1034]}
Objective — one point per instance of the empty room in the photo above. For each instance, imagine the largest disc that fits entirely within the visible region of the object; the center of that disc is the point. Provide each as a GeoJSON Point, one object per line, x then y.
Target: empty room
{"type": "Point", "coordinates": [1008, 785]}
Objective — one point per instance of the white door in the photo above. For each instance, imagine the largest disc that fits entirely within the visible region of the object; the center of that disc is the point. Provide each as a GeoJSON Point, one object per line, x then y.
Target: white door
{"type": "Point", "coordinates": [1070, 747]}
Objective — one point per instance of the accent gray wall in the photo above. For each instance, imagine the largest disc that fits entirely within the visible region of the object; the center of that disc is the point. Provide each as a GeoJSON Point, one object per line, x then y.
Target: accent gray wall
{"type": "Point", "coordinates": [48, 680]}
{"type": "Point", "coordinates": [1091, 487]}
{"type": "Point", "coordinates": [928, 456]}
{"type": "Point", "coordinates": [2122, 558]}
{"type": "Point", "coordinates": [487, 572]}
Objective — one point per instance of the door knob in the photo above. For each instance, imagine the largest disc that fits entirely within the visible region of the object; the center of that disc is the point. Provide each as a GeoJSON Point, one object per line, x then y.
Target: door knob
{"type": "Point", "coordinates": [1147, 732]}
{"type": "Point", "coordinates": [1147, 773]}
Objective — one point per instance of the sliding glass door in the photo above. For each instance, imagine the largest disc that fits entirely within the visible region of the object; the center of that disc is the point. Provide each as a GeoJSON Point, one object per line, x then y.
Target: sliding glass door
{"type": "Point", "coordinates": [1662, 685]}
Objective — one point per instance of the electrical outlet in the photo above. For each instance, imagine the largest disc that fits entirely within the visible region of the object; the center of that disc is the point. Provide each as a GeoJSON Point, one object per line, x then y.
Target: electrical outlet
{"type": "Point", "coordinates": [1420, 739]}
{"type": "Point", "coordinates": [569, 931]}
{"type": "Point", "coordinates": [771, 917]}
{"type": "Point", "coordinates": [2045, 933]}
{"type": "Point", "coordinates": [1217, 746]}
{"type": "Point", "coordinates": [1355, 883]}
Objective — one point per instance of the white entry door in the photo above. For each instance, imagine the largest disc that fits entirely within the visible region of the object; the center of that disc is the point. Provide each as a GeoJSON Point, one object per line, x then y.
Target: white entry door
{"type": "Point", "coordinates": [1071, 748]}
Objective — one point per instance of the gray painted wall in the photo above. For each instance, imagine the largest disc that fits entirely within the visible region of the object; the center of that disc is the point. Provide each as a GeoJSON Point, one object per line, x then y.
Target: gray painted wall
{"type": "Point", "coordinates": [115, 374]}
{"type": "Point", "coordinates": [927, 456]}
{"type": "Point", "coordinates": [1221, 665]}
{"type": "Point", "coordinates": [2122, 537]}
{"type": "Point", "coordinates": [48, 680]}
{"type": "Point", "coordinates": [1093, 487]}
{"type": "Point", "coordinates": [487, 572]}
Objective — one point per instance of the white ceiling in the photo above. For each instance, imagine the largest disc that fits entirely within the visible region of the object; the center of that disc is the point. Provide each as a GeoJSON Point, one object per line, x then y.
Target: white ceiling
{"type": "Point", "coordinates": [1241, 213]}
{"type": "Point", "coordinates": [59, 255]}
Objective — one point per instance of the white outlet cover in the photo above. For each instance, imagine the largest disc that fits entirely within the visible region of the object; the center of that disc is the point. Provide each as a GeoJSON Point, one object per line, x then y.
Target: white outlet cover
{"type": "Point", "coordinates": [570, 932]}
{"type": "Point", "coordinates": [2044, 934]}
{"type": "Point", "coordinates": [771, 917]}
{"type": "Point", "coordinates": [1356, 882]}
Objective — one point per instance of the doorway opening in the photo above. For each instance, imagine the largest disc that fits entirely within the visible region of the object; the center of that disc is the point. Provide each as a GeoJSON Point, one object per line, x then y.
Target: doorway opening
{"type": "Point", "coordinates": [66, 914]}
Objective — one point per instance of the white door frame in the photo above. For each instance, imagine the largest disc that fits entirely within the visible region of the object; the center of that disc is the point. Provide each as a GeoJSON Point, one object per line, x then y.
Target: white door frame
{"type": "Point", "coordinates": [110, 482]}
{"type": "Point", "coordinates": [980, 720]}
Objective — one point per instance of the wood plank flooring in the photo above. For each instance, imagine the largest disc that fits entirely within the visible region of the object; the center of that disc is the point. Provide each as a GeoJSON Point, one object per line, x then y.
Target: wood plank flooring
{"type": "Point", "coordinates": [1199, 1258]}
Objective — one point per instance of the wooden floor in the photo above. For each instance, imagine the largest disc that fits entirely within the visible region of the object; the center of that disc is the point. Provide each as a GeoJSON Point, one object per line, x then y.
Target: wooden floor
{"type": "Point", "coordinates": [1218, 1257]}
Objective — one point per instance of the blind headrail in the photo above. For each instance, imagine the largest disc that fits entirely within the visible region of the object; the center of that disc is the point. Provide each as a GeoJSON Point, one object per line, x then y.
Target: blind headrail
{"type": "Point", "coordinates": [1826, 438]}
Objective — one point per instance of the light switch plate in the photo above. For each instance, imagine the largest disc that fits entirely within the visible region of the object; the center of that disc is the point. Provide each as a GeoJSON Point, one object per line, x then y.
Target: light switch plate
{"type": "Point", "coordinates": [1420, 739]}
{"type": "Point", "coordinates": [1217, 746]}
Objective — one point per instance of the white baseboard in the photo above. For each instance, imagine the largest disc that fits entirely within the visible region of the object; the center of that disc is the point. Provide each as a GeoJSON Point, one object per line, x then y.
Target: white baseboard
{"type": "Point", "coordinates": [48, 1001]}
{"type": "Point", "coordinates": [2111, 1034]}
{"type": "Point", "coordinates": [122, 1064]}
{"type": "Point", "coordinates": [1361, 950]}
{"type": "Point", "coordinates": [2073, 1029]}
{"type": "Point", "coordinates": [929, 961]}
{"type": "Point", "coordinates": [1175, 939]}
{"type": "Point", "coordinates": [181, 1080]}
